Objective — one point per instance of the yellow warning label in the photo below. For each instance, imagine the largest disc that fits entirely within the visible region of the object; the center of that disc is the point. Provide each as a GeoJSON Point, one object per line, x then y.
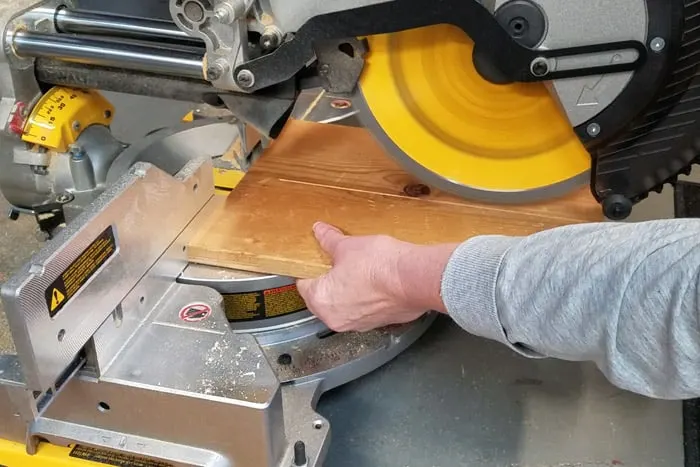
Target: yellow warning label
{"type": "Point", "coordinates": [251, 306]}
{"type": "Point", "coordinates": [79, 272]}
{"type": "Point", "coordinates": [118, 459]}
{"type": "Point", "coordinates": [56, 298]}
{"type": "Point", "coordinates": [281, 300]}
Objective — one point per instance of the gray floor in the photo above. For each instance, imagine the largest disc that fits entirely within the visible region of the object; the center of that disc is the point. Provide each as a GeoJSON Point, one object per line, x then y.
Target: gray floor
{"type": "Point", "coordinates": [452, 399]}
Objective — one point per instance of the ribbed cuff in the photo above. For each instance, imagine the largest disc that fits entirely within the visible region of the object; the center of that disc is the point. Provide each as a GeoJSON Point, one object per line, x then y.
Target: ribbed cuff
{"type": "Point", "coordinates": [469, 285]}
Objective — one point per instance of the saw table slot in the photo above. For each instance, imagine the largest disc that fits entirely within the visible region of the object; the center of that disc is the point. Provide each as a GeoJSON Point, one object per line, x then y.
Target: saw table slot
{"type": "Point", "coordinates": [341, 175]}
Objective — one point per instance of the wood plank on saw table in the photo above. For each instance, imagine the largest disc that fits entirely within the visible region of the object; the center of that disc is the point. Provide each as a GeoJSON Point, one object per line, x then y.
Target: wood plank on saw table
{"type": "Point", "coordinates": [339, 175]}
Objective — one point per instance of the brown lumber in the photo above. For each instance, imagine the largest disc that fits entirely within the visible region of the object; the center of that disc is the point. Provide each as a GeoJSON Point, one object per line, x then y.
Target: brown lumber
{"type": "Point", "coordinates": [342, 176]}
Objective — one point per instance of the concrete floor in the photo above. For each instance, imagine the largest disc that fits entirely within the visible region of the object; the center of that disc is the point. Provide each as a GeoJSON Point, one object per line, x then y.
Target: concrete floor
{"type": "Point", "coordinates": [483, 406]}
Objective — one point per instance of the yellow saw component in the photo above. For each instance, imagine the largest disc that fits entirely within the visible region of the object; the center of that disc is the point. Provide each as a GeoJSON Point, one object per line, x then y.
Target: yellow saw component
{"type": "Point", "coordinates": [455, 130]}
{"type": "Point", "coordinates": [62, 113]}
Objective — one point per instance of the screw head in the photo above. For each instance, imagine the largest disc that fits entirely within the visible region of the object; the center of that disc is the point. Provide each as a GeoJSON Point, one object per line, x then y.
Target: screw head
{"type": "Point", "coordinates": [213, 73]}
{"type": "Point", "coordinates": [223, 14]}
{"type": "Point", "coordinates": [64, 197]}
{"type": "Point", "coordinates": [76, 125]}
{"type": "Point", "coordinates": [245, 79]}
{"type": "Point", "coordinates": [658, 44]}
{"type": "Point", "coordinates": [593, 130]}
{"type": "Point", "coordinates": [539, 67]}
{"type": "Point", "coordinates": [324, 69]}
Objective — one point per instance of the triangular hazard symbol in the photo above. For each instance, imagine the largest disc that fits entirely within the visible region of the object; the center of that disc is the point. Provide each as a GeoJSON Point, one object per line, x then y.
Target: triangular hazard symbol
{"type": "Point", "coordinates": [56, 299]}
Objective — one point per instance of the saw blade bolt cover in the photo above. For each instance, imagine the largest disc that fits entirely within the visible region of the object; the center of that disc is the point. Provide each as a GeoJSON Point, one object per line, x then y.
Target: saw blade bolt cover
{"type": "Point", "coordinates": [658, 44]}
{"type": "Point", "coordinates": [524, 21]}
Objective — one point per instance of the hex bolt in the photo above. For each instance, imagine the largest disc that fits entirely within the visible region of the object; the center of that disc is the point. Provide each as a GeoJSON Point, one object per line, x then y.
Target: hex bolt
{"type": "Point", "coordinates": [245, 79]}
{"type": "Point", "coordinates": [593, 130]}
{"type": "Point", "coordinates": [539, 67]}
{"type": "Point", "coordinates": [271, 38]}
{"type": "Point", "coordinates": [214, 72]}
{"type": "Point", "coordinates": [658, 44]}
{"type": "Point", "coordinates": [226, 13]}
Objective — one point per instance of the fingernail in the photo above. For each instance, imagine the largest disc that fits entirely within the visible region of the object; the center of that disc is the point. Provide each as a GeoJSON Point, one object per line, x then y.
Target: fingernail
{"type": "Point", "coordinates": [317, 225]}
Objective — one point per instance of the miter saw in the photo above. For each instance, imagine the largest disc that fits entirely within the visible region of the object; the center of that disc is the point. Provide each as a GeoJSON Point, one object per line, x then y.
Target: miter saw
{"type": "Point", "coordinates": [119, 339]}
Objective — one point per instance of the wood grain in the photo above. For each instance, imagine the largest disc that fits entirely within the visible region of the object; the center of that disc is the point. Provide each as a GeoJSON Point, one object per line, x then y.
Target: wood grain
{"type": "Point", "coordinates": [339, 175]}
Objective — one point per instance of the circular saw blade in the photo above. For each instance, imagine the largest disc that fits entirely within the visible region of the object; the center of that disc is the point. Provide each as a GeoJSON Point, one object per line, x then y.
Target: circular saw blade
{"type": "Point", "coordinates": [424, 100]}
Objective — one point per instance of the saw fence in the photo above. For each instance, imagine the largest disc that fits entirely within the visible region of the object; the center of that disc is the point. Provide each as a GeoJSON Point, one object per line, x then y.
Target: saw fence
{"type": "Point", "coordinates": [340, 175]}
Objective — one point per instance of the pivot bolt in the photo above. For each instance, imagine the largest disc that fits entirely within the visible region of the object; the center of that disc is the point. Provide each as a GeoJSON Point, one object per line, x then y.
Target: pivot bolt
{"type": "Point", "coordinates": [539, 67]}
{"type": "Point", "coordinates": [216, 70]}
{"type": "Point", "coordinates": [245, 79]}
{"type": "Point", "coordinates": [271, 38]}
{"type": "Point", "coordinates": [658, 44]}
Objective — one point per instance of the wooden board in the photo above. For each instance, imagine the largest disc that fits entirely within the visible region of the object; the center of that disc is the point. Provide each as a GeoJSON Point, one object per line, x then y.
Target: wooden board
{"type": "Point", "coordinates": [342, 176]}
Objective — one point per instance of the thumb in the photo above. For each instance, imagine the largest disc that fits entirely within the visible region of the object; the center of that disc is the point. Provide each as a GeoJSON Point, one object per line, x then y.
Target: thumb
{"type": "Point", "coordinates": [328, 236]}
{"type": "Point", "coordinates": [306, 288]}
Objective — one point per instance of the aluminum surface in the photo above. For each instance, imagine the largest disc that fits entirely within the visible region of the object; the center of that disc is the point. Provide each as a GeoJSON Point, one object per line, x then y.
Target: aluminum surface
{"type": "Point", "coordinates": [108, 53]}
{"type": "Point", "coordinates": [317, 105]}
{"type": "Point", "coordinates": [571, 23]}
{"type": "Point", "coordinates": [291, 16]}
{"type": "Point", "coordinates": [145, 200]}
{"type": "Point", "coordinates": [223, 28]}
{"type": "Point", "coordinates": [171, 148]}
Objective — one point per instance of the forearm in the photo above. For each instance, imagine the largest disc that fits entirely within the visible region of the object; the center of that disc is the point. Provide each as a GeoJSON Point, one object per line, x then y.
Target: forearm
{"type": "Point", "coordinates": [622, 295]}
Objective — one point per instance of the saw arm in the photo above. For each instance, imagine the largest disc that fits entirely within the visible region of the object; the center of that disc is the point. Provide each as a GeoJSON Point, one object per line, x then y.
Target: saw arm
{"type": "Point", "coordinates": [537, 97]}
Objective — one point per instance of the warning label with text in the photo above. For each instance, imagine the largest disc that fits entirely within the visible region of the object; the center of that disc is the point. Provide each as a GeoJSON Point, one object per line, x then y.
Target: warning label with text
{"type": "Point", "coordinates": [79, 272]}
{"type": "Point", "coordinates": [263, 304]}
{"type": "Point", "coordinates": [118, 459]}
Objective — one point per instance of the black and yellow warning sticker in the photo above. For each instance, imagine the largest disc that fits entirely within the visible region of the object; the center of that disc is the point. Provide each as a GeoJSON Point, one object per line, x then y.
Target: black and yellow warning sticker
{"type": "Point", "coordinates": [79, 272]}
{"type": "Point", "coordinates": [117, 459]}
{"type": "Point", "coordinates": [263, 304]}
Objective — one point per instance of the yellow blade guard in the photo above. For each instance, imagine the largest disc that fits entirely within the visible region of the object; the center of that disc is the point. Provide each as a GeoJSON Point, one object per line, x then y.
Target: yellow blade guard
{"type": "Point", "coordinates": [433, 111]}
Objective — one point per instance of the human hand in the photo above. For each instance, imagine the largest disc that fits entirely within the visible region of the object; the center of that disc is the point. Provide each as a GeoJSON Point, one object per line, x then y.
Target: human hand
{"type": "Point", "coordinates": [375, 281]}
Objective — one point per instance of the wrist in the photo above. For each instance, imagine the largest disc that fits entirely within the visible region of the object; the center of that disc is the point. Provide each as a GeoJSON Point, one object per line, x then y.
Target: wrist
{"type": "Point", "coordinates": [419, 273]}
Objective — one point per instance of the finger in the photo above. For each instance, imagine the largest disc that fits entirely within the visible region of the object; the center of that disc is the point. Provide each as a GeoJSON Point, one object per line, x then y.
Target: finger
{"type": "Point", "coordinates": [328, 236]}
{"type": "Point", "coordinates": [305, 287]}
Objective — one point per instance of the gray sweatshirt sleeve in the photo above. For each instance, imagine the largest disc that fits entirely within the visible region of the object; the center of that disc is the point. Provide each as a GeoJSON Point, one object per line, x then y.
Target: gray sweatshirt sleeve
{"type": "Point", "coordinates": [625, 296]}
